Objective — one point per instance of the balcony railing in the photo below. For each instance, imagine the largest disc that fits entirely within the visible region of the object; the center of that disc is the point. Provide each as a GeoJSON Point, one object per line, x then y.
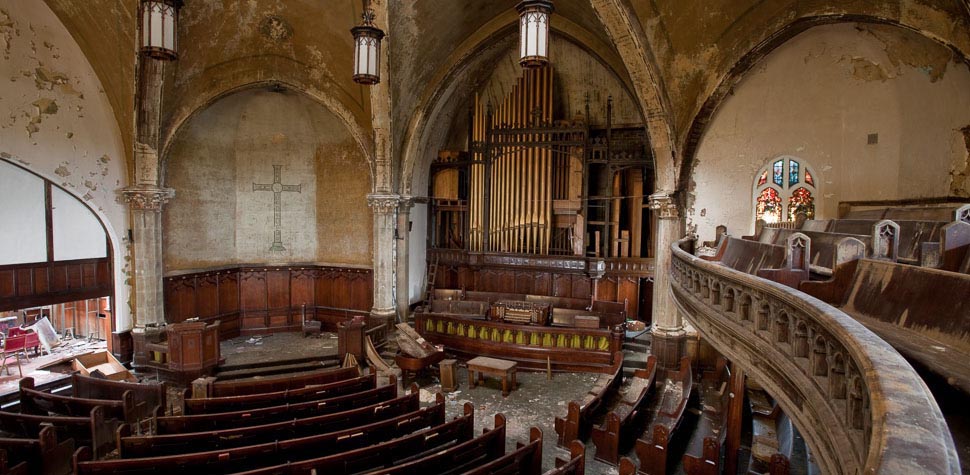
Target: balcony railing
{"type": "Point", "coordinates": [860, 406]}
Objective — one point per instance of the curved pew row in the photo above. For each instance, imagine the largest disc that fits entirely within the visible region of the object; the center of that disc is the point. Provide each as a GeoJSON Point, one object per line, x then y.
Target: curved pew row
{"type": "Point", "coordinates": [382, 455]}
{"type": "Point", "coordinates": [7, 469]}
{"type": "Point", "coordinates": [266, 415]}
{"type": "Point", "coordinates": [703, 456]}
{"type": "Point", "coordinates": [149, 398]}
{"type": "Point", "coordinates": [624, 422]}
{"type": "Point", "coordinates": [237, 387]}
{"type": "Point", "coordinates": [278, 452]}
{"type": "Point", "coordinates": [189, 442]}
{"type": "Point", "coordinates": [580, 414]}
{"type": "Point", "coordinates": [576, 465]}
{"type": "Point", "coordinates": [653, 453]}
{"type": "Point", "coordinates": [526, 459]}
{"type": "Point", "coordinates": [94, 431]}
{"type": "Point", "coordinates": [44, 455]}
{"type": "Point", "coordinates": [212, 405]}
{"type": "Point", "coordinates": [43, 403]}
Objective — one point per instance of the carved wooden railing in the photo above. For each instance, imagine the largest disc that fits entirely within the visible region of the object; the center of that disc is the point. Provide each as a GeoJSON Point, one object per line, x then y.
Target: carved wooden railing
{"type": "Point", "coordinates": [860, 406]}
{"type": "Point", "coordinates": [533, 346]}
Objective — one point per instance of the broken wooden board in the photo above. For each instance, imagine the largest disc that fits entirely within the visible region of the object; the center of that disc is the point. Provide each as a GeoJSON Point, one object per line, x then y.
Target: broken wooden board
{"type": "Point", "coordinates": [413, 344]}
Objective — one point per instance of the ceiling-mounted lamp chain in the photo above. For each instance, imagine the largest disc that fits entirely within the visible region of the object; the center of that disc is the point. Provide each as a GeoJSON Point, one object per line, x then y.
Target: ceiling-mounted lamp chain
{"type": "Point", "coordinates": [159, 28]}
{"type": "Point", "coordinates": [367, 48]}
{"type": "Point", "coordinates": [534, 32]}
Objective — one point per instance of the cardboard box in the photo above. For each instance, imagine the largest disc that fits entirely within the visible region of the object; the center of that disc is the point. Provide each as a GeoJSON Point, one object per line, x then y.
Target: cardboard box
{"type": "Point", "coordinates": [105, 363]}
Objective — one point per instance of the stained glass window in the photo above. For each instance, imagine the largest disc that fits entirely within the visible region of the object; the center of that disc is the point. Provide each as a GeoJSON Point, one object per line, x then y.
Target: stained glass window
{"type": "Point", "coordinates": [779, 173]}
{"type": "Point", "coordinates": [763, 179]}
{"type": "Point", "coordinates": [792, 173]}
{"type": "Point", "coordinates": [809, 179]}
{"type": "Point", "coordinates": [801, 201]}
{"type": "Point", "coordinates": [769, 206]}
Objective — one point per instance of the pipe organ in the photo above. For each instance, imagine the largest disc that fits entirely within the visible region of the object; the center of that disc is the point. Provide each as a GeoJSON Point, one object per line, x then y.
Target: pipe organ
{"type": "Point", "coordinates": [531, 184]}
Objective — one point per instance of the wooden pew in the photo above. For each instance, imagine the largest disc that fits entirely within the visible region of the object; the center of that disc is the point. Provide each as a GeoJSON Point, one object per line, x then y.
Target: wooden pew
{"type": "Point", "coordinates": [383, 455]}
{"type": "Point", "coordinates": [576, 465]}
{"type": "Point", "coordinates": [42, 456]}
{"type": "Point", "coordinates": [911, 233]}
{"type": "Point", "coordinates": [187, 442]}
{"type": "Point", "coordinates": [670, 413]}
{"type": "Point", "coordinates": [93, 431]}
{"type": "Point", "coordinates": [825, 247]}
{"type": "Point", "coordinates": [460, 458]}
{"type": "Point", "coordinates": [625, 420]}
{"type": "Point", "coordinates": [150, 399]}
{"type": "Point", "coordinates": [526, 459]}
{"type": "Point", "coordinates": [213, 405]}
{"type": "Point", "coordinates": [771, 437]}
{"type": "Point", "coordinates": [42, 403]}
{"type": "Point", "coordinates": [271, 453]}
{"type": "Point", "coordinates": [238, 387]}
{"type": "Point", "coordinates": [703, 455]}
{"type": "Point", "coordinates": [580, 414]}
{"type": "Point", "coordinates": [6, 469]}
{"type": "Point", "coordinates": [266, 415]}
{"type": "Point", "coordinates": [749, 256]}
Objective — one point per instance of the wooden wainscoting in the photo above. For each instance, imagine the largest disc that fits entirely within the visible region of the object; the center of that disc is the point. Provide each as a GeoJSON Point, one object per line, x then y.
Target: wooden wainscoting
{"type": "Point", "coordinates": [48, 283]}
{"type": "Point", "coordinates": [251, 300]}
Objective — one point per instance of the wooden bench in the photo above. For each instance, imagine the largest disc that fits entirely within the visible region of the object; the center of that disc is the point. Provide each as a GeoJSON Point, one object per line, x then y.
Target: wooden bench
{"type": "Point", "coordinates": [670, 413]}
{"type": "Point", "coordinates": [93, 431]}
{"type": "Point", "coordinates": [911, 233]}
{"type": "Point", "coordinates": [383, 455]}
{"type": "Point", "coordinates": [703, 455]}
{"type": "Point", "coordinates": [749, 256]}
{"type": "Point", "coordinates": [624, 422]}
{"type": "Point", "coordinates": [42, 403]}
{"type": "Point", "coordinates": [269, 454]}
{"type": "Point", "coordinates": [580, 414]}
{"type": "Point", "coordinates": [187, 442]}
{"type": "Point", "coordinates": [526, 459]}
{"type": "Point", "coordinates": [771, 435]}
{"type": "Point", "coordinates": [265, 415]}
{"type": "Point", "coordinates": [7, 469]}
{"type": "Point", "coordinates": [483, 365]}
{"type": "Point", "coordinates": [213, 405]}
{"type": "Point", "coordinates": [150, 398]}
{"type": "Point", "coordinates": [44, 455]}
{"type": "Point", "coordinates": [238, 387]}
{"type": "Point", "coordinates": [576, 465]}
{"type": "Point", "coordinates": [460, 458]}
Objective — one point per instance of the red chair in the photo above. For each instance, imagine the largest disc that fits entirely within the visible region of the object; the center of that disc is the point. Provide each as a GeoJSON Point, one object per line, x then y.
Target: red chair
{"type": "Point", "coordinates": [12, 347]}
{"type": "Point", "coordinates": [33, 341]}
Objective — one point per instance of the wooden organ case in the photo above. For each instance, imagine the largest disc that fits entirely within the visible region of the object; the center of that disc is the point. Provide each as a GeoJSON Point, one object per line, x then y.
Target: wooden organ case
{"type": "Point", "coordinates": [529, 184]}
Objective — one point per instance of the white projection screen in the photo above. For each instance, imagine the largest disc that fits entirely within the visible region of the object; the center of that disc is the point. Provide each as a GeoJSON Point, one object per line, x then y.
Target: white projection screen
{"type": "Point", "coordinates": [77, 231]}
{"type": "Point", "coordinates": [23, 224]}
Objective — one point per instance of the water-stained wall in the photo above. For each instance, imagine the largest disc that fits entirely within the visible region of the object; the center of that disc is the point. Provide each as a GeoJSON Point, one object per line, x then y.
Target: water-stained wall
{"type": "Point", "coordinates": [819, 97]}
{"type": "Point", "coordinates": [266, 176]}
{"type": "Point", "coordinates": [56, 121]}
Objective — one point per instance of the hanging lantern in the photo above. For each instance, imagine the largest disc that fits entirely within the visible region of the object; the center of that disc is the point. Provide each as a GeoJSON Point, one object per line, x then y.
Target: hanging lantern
{"type": "Point", "coordinates": [159, 28]}
{"type": "Point", "coordinates": [534, 32]}
{"type": "Point", "coordinates": [367, 49]}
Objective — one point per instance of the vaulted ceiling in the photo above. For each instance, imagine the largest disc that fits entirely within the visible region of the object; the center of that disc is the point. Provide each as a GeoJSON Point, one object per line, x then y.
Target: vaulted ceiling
{"type": "Point", "coordinates": [695, 46]}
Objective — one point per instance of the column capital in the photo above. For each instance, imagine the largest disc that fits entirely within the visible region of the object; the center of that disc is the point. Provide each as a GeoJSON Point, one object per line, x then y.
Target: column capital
{"type": "Point", "coordinates": [405, 204]}
{"type": "Point", "coordinates": [383, 203]}
{"type": "Point", "coordinates": [664, 204]}
{"type": "Point", "coordinates": [146, 197]}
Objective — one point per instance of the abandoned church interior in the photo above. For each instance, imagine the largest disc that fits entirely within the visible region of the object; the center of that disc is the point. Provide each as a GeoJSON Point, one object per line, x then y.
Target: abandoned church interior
{"type": "Point", "coordinates": [558, 237]}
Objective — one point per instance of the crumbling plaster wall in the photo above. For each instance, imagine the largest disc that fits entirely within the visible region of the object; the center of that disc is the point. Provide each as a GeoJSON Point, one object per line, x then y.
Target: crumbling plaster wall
{"type": "Point", "coordinates": [218, 219]}
{"type": "Point", "coordinates": [56, 120]}
{"type": "Point", "coordinates": [697, 43]}
{"type": "Point", "coordinates": [818, 97]}
{"type": "Point", "coordinates": [226, 45]}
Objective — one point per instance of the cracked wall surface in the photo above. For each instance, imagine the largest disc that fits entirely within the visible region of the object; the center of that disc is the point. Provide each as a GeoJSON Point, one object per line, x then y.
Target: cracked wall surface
{"type": "Point", "coordinates": [218, 217]}
{"type": "Point", "coordinates": [811, 99]}
{"type": "Point", "coordinates": [57, 121]}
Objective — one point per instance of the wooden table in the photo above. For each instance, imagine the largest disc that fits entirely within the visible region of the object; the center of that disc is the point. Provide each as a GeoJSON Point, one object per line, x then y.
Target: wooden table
{"type": "Point", "coordinates": [492, 366]}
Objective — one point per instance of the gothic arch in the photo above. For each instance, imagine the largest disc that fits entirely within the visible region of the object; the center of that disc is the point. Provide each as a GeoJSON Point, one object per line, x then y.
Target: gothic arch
{"type": "Point", "coordinates": [795, 184]}
{"type": "Point", "coordinates": [705, 113]}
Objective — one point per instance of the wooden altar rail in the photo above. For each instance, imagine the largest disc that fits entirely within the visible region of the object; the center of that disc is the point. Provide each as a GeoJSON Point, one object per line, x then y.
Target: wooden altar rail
{"type": "Point", "coordinates": [264, 299]}
{"type": "Point", "coordinates": [567, 349]}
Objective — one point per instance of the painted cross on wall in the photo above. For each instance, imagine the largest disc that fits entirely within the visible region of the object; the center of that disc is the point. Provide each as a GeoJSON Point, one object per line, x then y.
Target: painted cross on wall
{"type": "Point", "coordinates": [278, 188]}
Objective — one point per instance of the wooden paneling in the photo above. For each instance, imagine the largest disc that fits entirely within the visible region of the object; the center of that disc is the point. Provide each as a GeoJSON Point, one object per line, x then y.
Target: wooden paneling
{"type": "Point", "coordinates": [50, 283]}
{"type": "Point", "coordinates": [260, 300]}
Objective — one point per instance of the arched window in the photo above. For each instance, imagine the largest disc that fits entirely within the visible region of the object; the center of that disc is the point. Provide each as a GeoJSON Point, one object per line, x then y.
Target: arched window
{"type": "Point", "coordinates": [785, 187]}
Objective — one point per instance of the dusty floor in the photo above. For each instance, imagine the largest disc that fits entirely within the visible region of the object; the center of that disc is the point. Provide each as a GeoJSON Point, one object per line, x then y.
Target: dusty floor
{"type": "Point", "coordinates": [275, 347]}
{"type": "Point", "coordinates": [46, 368]}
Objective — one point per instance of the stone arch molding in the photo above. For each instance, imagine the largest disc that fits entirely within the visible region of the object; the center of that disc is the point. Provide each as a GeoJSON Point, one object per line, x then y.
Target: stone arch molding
{"type": "Point", "coordinates": [704, 114]}
{"type": "Point", "coordinates": [362, 136]}
{"type": "Point", "coordinates": [439, 89]}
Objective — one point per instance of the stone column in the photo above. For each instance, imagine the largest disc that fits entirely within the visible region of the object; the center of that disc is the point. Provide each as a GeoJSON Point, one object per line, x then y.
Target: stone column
{"type": "Point", "coordinates": [146, 203]}
{"type": "Point", "coordinates": [402, 288]}
{"type": "Point", "coordinates": [668, 326]}
{"type": "Point", "coordinates": [385, 208]}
